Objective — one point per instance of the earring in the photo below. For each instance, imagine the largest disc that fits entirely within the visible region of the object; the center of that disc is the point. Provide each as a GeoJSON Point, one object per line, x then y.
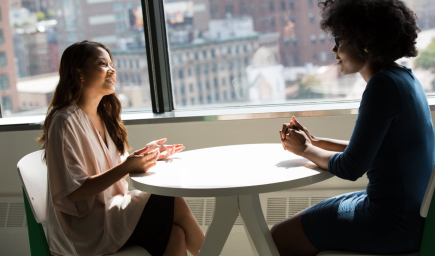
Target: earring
{"type": "Point", "coordinates": [365, 49]}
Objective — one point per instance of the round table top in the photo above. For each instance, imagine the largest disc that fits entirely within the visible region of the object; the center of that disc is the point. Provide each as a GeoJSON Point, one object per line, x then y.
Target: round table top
{"type": "Point", "coordinates": [229, 171]}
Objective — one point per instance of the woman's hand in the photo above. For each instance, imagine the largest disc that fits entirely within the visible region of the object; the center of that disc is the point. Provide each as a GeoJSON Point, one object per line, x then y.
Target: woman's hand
{"type": "Point", "coordinates": [165, 150]}
{"type": "Point", "coordinates": [295, 141]}
{"type": "Point", "coordinates": [141, 160]}
{"type": "Point", "coordinates": [294, 124]}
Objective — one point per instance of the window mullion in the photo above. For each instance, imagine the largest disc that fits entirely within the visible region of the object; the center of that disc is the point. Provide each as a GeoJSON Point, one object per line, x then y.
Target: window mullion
{"type": "Point", "coordinates": [157, 56]}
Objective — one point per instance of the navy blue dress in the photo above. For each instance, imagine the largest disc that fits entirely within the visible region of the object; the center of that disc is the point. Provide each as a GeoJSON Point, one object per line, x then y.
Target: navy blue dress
{"type": "Point", "coordinates": [393, 141]}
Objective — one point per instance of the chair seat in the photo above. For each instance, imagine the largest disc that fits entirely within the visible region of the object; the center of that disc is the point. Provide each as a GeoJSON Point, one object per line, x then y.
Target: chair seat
{"type": "Point", "coordinates": [340, 253]}
{"type": "Point", "coordinates": [132, 251]}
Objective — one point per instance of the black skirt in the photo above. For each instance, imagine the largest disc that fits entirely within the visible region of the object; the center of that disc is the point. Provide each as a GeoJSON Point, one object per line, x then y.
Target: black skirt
{"type": "Point", "coordinates": [154, 228]}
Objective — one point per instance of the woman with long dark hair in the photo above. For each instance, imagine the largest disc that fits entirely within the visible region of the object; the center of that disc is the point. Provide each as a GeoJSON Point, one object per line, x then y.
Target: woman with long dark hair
{"type": "Point", "coordinates": [90, 210]}
{"type": "Point", "coordinates": [393, 140]}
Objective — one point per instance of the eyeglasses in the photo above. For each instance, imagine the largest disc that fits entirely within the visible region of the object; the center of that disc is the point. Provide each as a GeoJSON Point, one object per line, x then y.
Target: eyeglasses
{"type": "Point", "coordinates": [338, 41]}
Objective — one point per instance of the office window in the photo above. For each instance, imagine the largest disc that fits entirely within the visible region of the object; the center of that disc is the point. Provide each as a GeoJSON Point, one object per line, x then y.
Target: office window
{"type": "Point", "coordinates": [2, 39]}
{"type": "Point", "coordinates": [3, 60]}
{"type": "Point", "coordinates": [4, 82]}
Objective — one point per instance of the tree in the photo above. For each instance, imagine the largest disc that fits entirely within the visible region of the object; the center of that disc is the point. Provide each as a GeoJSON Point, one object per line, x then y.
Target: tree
{"type": "Point", "coordinates": [426, 59]}
{"type": "Point", "coordinates": [40, 16]}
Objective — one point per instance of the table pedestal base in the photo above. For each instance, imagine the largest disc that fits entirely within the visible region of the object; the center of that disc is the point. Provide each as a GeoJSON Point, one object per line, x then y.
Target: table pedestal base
{"type": "Point", "coordinates": [225, 214]}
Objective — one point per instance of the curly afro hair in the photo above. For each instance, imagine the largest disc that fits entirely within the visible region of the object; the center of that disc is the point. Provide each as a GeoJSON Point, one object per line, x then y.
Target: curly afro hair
{"type": "Point", "coordinates": [387, 29]}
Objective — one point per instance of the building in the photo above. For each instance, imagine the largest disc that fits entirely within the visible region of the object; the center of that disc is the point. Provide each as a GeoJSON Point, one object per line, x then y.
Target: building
{"type": "Point", "coordinates": [8, 92]}
{"type": "Point", "coordinates": [301, 39]}
{"type": "Point", "coordinates": [425, 10]}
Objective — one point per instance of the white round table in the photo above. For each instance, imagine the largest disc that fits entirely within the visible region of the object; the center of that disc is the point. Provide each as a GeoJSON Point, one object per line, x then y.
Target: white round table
{"type": "Point", "coordinates": [235, 175]}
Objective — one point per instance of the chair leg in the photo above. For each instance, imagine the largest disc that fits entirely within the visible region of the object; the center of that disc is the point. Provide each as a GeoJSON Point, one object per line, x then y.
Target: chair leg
{"type": "Point", "coordinates": [37, 240]}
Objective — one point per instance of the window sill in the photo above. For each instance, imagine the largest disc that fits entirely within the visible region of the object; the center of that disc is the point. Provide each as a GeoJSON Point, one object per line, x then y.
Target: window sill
{"type": "Point", "coordinates": [335, 108]}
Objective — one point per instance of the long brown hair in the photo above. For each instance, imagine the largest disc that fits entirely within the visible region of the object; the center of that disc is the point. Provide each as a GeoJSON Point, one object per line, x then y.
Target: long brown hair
{"type": "Point", "coordinates": [69, 90]}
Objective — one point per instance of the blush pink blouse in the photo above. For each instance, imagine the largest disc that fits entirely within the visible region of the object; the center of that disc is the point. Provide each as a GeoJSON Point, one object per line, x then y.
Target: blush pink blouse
{"type": "Point", "coordinates": [102, 223]}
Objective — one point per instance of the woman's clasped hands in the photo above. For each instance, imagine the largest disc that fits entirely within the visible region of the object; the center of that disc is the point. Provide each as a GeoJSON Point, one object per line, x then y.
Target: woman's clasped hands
{"type": "Point", "coordinates": [295, 138]}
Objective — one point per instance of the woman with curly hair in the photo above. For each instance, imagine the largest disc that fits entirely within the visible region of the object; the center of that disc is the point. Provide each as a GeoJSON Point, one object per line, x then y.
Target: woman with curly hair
{"type": "Point", "coordinates": [90, 210]}
{"type": "Point", "coordinates": [393, 140]}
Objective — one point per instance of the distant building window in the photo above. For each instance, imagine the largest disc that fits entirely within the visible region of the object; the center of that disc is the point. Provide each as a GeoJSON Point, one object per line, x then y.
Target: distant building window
{"type": "Point", "coordinates": [224, 81]}
{"type": "Point", "coordinates": [192, 101]}
{"type": "Point", "coordinates": [311, 17]}
{"type": "Point", "coordinates": [246, 62]}
{"type": "Point", "coordinates": [322, 37]}
{"type": "Point", "coordinates": [137, 64]}
{"type": "Point", "coordinates": [310, 3]}
{"type": "Point", "coordinates": [230, 65]}
{"type": "Point", "coordinates": [296, 59]}
{"type": "Point", "coordinates": [191, 87]}
{"type": "Point", "coordinates": [229, 50]}
{"type": "Point", "coordinates": [216, 83]}
{"type": "Point", "coordinates": [180, 59]}
{"type": "Point", "coordinates": [271, 6]}
{"type": "Point", "coordinates": [245, 48]}
{"type": "Point", "coordinates": [207, 85]}
{"type": "Point", "coordinates": [229, 8]}
{"type": "Point", "coordinates": [264, 22]}
{"type": "Point", "coordinates": [324, 56]}
{"type": "Point", "coordinates": [6, 103]}
{"type": "Point", "coordinates": [0, 14]}
{"type": "Point", "coordinates": [252, 8]}
{"type": "Point", "coordinates": [292, 5]}
{"type": "Point", "coordinates": [4, 82]}
{"type": "Point", "coordinates": [214, 67]}
{"type": "Point", "coordinates": [204, 54]}
{"type": "Point", "coordinates": [201, 100]}
{"type": "Point", "coordinates": [295, 40]}
{"type": "Point", "coordinates": [313, 38]}
{"type": "Point", "coordinates": [272, 21]}
{"type": "Point", "coordinates": [286, 41]}
{"type": "Point", "coordinates": [118, 7]}
{"type": "Point", "coordinates": [217, 97]}
{"type": "Point", "coordinates": [198, 70]}
{"type": "Point", "coordinates": [189, 72]}
{"type": "Point", "coordinates": [2, 59]}
{"type": "Point", "coordinates": [320, 18]}
{"type": "Point", "coordinates": [292, 18]}
{"type": "Point", "coordinates": [263, 7]}
{"type": "Point", "coordinates": [131, 63]}
{"type": "Point", "coordinates": [205, 69]}
{"type": "Point", "coordinates": [182, 89]}
{"type": "Point", "coordinates": [208, 99]}
{"type": "Point", "coordinates": [283, 6]}
{"type": "Point", "coordinates": [184, 102]}
{"type": "Point", "coordinates": [180, 74]}
{"type": "Point", "coordinates": [238, 63]}
{"type": "Point", "coordinates": [212, 53]}
{"type": "Point", "coordinates": [315, 57]}
{"type": "Point", "coordinates": [237, 49]}
{"type": "Point", "coordinates": [244, 8]}
{"type": "Point", "coordinates": [139, 79]}
{"type": "Point", "coordinates": [196, 56]}
{"type": "Point", "coordinates": [2, 39]}
{"type": "Point", "coordinates": [199, 85]}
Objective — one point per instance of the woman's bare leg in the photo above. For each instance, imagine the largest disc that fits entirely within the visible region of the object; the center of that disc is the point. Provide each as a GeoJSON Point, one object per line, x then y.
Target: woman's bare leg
{"type": "Point", "coordinates": [184, 218]}
{"type": "Point", "coordinates": [290, 238]}
{"type": "Point", "coordinates": [177, 242]}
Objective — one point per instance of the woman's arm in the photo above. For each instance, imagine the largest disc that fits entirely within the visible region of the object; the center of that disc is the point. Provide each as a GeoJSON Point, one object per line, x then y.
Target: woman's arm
{"type": "Point", "coordinates": [323, 143]}
{"type": "Point", "coordinates": [330, 144]}
{"type": "Point", "coordinates": [139, 161]}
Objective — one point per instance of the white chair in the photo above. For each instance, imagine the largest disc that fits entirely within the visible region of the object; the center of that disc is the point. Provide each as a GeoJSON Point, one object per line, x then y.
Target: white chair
{"type": "Point", "coordinates": [33, 174]}
{"type": "Point", "coordinates": [426, 248]}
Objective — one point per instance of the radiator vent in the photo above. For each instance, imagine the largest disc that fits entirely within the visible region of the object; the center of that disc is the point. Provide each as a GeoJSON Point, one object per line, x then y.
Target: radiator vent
{"type": "Point", "coordinates": [197, 208]}
{"type": "Point", "coordinates": [276, 209]}
{"type": "Point", "coordinates": [297, 204]}
{"type": "Point", "coordinates": [316, 200]}
{"type": "Point", "coordinates": [16, 215]}
{"type": "Point", "coordinates": [3, 214]}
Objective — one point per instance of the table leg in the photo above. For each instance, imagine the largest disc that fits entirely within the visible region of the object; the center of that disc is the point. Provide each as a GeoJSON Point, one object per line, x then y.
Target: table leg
{"type": "Point", "coordinates": [225, 214]}
{"type": "Point", "coordinates": [253, 218]}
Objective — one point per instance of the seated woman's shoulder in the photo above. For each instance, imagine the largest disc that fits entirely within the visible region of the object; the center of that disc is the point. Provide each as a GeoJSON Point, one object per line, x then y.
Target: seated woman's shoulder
{"type": "Point", "coordinates": [63, 115]}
